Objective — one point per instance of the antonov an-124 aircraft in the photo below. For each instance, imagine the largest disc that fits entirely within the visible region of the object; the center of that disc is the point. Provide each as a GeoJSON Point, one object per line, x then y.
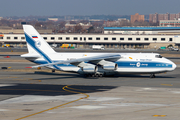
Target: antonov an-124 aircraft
{"type": "Point", "coordinates": [92, 64]}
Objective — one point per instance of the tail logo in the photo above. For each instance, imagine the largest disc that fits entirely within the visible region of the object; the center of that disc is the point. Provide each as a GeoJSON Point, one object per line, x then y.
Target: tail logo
{"type": "Point", "coordinates": [34, 36]}
{"type": "Point", "coordinates": [38, 43]}
{"type": "Point", "coordinates": [138, 64]}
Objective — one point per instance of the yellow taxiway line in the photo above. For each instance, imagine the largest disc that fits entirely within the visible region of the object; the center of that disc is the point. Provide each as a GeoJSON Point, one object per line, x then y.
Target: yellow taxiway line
{"type": "Point", "coordinates": [64, 88]}
{"type": "Point", "coordinates": [159, 115]}
{"type": "Point", "coordinates": [167, 84]}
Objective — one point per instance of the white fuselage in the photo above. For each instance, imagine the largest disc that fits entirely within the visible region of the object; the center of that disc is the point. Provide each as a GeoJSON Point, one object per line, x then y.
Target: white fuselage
{"type": "Point", "coordinates": [136, 63]}
{"type": "Point", "coordinates": [91, 64]}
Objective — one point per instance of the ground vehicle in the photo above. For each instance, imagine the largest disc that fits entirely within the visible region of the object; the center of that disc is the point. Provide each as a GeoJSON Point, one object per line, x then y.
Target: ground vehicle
{"type": "Point", "coordinates": [173, 49]}
{"type": "Point", "coordinates": [98, 47]}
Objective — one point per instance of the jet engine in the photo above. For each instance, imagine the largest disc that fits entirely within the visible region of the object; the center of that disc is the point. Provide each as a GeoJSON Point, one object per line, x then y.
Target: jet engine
{"type": "Point", "coordinates": [110, 66]}
{"type": "Point", "coordinates": [90, 68]}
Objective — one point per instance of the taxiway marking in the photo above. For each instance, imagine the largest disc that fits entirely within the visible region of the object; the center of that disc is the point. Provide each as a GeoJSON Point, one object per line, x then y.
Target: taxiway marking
{"type": "Point", "coordinates": [159, 115]}
{"type": "Point", "coordinates": [167, 84]}
{"type": "Point", "coordinates": [65, 89]}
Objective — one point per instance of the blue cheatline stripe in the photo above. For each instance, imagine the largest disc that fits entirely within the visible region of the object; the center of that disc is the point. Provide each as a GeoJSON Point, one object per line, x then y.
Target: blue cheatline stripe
{"type": "Point", "coordinates": [122, 64]}
{"type": "Point", "coordinates": [32, 43]}
{"type": "Point", "coordinates": [140, 64]}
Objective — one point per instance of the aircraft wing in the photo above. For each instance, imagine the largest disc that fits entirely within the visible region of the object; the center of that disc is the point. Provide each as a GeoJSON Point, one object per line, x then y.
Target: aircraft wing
{"type": "Point", "coordinates": [84, 59]}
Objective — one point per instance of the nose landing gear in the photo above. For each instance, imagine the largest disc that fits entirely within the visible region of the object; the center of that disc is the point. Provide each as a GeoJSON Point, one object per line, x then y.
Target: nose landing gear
{"type": "Point", "coordinates": [152, 76]}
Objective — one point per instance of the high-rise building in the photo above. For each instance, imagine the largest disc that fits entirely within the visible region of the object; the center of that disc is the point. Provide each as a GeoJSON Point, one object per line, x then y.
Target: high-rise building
{"type": "Point", "coordinates": [155, 18]}
{"type": "Point", "coordinates": [137, 17]}
{"type": "Point", "coordinates": [172, 16]}
{"type": "Point", "coordinates": [166, 16]}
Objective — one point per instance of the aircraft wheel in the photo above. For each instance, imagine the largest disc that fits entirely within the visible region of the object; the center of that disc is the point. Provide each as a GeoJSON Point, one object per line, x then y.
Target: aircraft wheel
{"type": "Point", "coordinates": [96, 75]}
{"type": "Point", "coordinates": [93, 75]}
{"type": "Point", "coordinates": [101, 75]}
{"type": "Point", "coordinates": [53, 70]}
{"type": "Point", "coordinates": [152, 76]}
{"type": "Point", "coordinates": [85, 75]}
{"type": "Point", "coordinates": [89, 75]}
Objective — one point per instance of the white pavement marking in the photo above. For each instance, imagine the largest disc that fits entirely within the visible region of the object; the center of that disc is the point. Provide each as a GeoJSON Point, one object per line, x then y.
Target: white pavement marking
{"type": "Point", "coordinates": [34, 98]}
{"type": "Point", "coordinates": [143, 89]}
{"type": "Point", "coordinates": [92, 107]}
{"type": "Point", "coordinates": [101, 99]}
{"type": "Point", "coordinates": [177, 92]}
{"type": "Point", "coordinates": [149, 89]}
{"type": "Point", "coordinates": [5, 85]}
{"type": "Point", "coordinates": [4, 110]}
{"type": "Point", "coordinates": [89, 107]}
{"type": "Point", "coordinates": [136, 104]}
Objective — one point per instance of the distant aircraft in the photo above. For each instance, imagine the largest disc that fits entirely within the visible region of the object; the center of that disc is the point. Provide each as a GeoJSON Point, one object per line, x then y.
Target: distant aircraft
{"type": "Point", "coordinates": [92, 64]}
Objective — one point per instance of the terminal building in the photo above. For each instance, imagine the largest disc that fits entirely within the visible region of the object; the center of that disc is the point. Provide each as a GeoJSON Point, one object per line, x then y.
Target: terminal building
{"type": "Point", "coordinates": [171, 23]}
{"type": "Point", "coordinates": [114, 38]}
{"type": "Point", "coordinates": [142, 30]}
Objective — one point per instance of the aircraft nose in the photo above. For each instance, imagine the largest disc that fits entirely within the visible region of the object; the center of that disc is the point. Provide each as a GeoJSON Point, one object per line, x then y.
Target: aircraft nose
{"type": "Point", "coordinates": [174, 66]}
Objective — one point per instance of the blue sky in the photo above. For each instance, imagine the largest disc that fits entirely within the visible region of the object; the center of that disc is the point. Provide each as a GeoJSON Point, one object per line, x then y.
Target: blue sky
{"type": "Point", "coordinates": [86, 7]}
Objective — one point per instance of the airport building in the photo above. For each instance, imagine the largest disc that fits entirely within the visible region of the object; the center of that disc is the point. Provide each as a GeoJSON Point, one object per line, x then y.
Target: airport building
{"type": "Point", "coordinates": [170, 23]}
{"type": "Point", "coordinates": [155, 18]}
{"type": "Point", "coordinates": [142, 30]}
{"type": "Point", "coordinates": [116, 38]}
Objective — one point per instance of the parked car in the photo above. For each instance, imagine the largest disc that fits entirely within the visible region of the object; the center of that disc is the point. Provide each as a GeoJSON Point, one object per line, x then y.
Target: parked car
{"type": "Point", "coordinates": [173, 49]}
{"type": "Point", "coordinates": [98, 47]}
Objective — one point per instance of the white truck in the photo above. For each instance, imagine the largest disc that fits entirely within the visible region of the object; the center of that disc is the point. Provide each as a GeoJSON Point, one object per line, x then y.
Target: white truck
{"type": "Point", "coordinates": [98, 47]}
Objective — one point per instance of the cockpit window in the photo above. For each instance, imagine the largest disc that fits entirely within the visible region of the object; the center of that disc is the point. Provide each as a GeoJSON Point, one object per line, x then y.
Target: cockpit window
{"type": "Point", "coordinates": [158, 56]}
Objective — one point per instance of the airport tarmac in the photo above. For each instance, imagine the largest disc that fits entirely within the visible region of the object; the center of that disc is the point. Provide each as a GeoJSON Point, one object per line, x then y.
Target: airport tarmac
{"type": "Point", "coordinates": [30, 94]}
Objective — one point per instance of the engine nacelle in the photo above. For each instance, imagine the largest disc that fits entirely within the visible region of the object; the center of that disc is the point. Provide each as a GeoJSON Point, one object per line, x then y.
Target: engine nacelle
{"type": "Point", "coordinates": [110, 66]}
{"type": "Point", "coordinates": [90, 68]}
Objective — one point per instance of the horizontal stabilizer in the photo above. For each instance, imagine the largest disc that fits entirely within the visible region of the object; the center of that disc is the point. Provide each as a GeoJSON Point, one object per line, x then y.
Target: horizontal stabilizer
{"type": "Point", "coordinates": [30, 55]}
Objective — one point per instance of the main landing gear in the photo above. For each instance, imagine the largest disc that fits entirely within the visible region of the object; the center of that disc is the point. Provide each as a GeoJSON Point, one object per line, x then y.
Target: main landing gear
{"type": "Point", "coordinates": [93, 75]}
{"type": "Point", "coordinates": [152, 76]}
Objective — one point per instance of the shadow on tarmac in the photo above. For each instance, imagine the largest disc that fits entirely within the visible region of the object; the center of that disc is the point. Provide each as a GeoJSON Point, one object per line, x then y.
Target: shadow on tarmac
{"type": "Point", "coordinates": [50, 90]}
{"type": "Point", "coordinates": [71, 75]}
